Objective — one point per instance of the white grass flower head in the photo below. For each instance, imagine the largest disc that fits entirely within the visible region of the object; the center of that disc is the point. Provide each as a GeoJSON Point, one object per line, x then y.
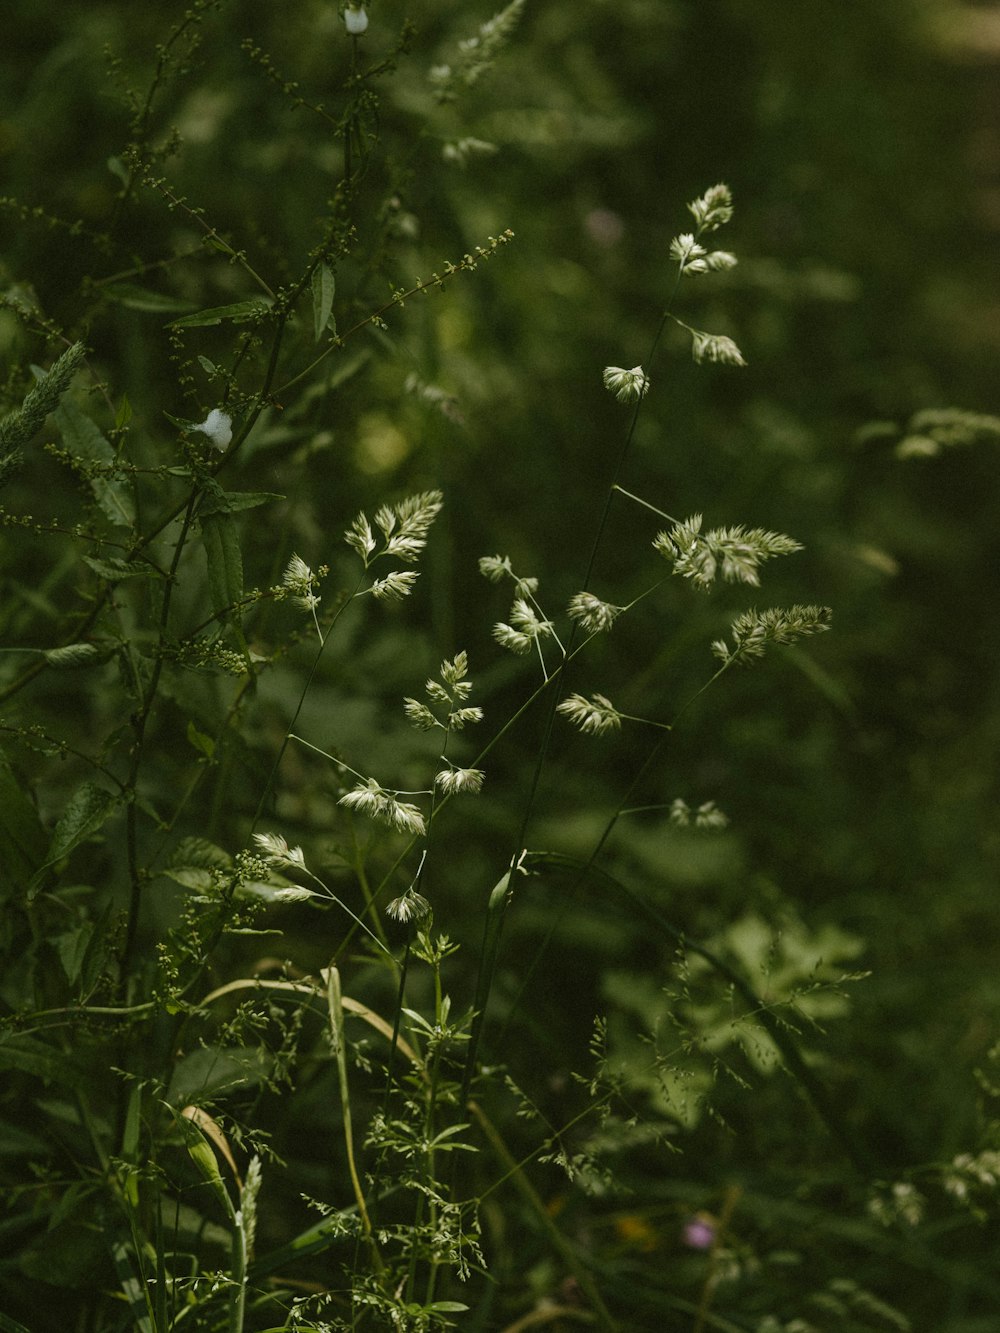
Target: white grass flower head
{"type": "Point", "coordinates": [299, 579]}
{"type": "Point", "coordinates": [713, 209]}
{"type": "Point", "coordinates": [218, 426]}
{"type": "Point", "coordinates": [709, 816]}
{"type": "Point", "coordinates": [370, 798]}
{"type": "Point", "coordinates": [395, 586]}
{"type": "Point", "coordinates": [495, 567]}
{"type": "Point", "coordinates": [593, 716]}
{"type": "Point", "coordinates": [715, 347]}
{"type": "Point", "coordinates": [419, 715]}
{"type": "Point", "coordinates": [276, 851]}
{"type": "Point", "coordinates": [686, 250]}
{"type": "Point", "coordinates": [525, 629]}
{"type": "Point", "coordinates": [409, 907]}
{"type": "Point", "coordinates": [356, 19]}
{"type": "Point", "coordinates": [753, 630]}
{"type": "Point", "coordinates": [736, 553]}
{"type": "Point", "coordinates": [454, 781]}
{"type": "Point", "coordinates": [628, 386]}
{"type": "Point", "coordinates": [594, 615]}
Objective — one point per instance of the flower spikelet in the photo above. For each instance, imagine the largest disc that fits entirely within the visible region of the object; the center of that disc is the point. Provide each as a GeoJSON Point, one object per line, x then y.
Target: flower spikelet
{"type": "Point", "coordinates": [299, 581]}
{"type": "Point", "coordinates": [594, 615]}
{"type": "Point", "coordinates": [395, 586]}
{"type": "Point", "coordinates": [525, 628]}
{"type": "Point", "coordinates": [370, 798]}
{"type": "Point", "coordinates": [453, 781]}
{"type": "Point", "coordinates": [495, 567]}
{"type": "Point", "coordinates": [360, 537]}
{"type": "Point", "coordinates": [754, 630]}
{"type": "Point", "coordinates": [713, 209]}
{"type": "Point", "coordinates": [592, 716]}
{"type": "Point", "coordinates": [627, 385]}
{"type": "Point", "coordinates": [410, 906]}
{"type": "Point", "coordinates": [715, 347]}
{"type": "Point", "coordinates": [736, 553]}
{"type": "Point", "coordinates": [276, 851]}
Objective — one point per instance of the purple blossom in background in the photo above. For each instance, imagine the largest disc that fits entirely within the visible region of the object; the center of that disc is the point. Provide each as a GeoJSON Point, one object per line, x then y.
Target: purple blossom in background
{"type": "Point", "coordinates": [699, 1232]}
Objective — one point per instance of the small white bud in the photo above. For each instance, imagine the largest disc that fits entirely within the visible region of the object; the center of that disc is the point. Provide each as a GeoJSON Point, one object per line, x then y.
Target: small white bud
{"type": "Point", "coordinates": [355, 20]}
{"type": "Point", "coordinates": [218, 426]}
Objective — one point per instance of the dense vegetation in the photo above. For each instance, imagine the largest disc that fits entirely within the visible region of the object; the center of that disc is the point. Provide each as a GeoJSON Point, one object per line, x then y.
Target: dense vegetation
{"type": "Point", "coordinates": [444, 881]}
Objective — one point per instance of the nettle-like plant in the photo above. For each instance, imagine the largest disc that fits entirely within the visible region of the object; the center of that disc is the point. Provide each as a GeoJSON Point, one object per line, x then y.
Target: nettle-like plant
{"type": "Point", "coordinates": [190, 1065]}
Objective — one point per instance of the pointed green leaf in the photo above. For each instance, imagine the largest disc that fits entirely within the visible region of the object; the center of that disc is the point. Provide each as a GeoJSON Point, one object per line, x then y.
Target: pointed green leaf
{"type": "Point", "coordinates": [115, 570]}
{"type": "Point", "coordinates": [18, 1051]}
{"type": "Point", "coordinates": [200, 741]}
{"type": "Point", "coordinates": [323, 288]}
{"type": "Point", "coordinates": [142, 298]}
{"type": "Point", "coordinates": [87, 810]}
{"type": "Point", "coordinates": [218, 501]}
{"type": "Point", "coordinates": [225, 560]}
{"type": "Point", "coordinates": [75, 655]}
{"type": "Point", "coordinates": [238, 313]}
{"type": "Point", "coordinates": [22, 837]}
{"type": "Point", "coordinates": [123, 415]}
{"type": "Point", "coordinates": [82, 437]}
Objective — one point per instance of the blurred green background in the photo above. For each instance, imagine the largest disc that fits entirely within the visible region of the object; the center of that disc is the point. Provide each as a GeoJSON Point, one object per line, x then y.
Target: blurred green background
{"type": "Point", "coordinates": [862, 145]}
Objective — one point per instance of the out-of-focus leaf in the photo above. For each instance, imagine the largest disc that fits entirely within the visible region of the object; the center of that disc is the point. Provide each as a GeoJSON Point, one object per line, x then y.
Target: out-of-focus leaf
{"type": "Point", "coordinates": [83, 438]}
{"type": "Point", "coordinates": [323, 288]}
{"type": "Point", "coordinates": [216, 1071]}
{"type": "Point", "coordinates": [224, 559]}
{"type": "Point", "coordinates": [87, 810]}
{"type": "Point", "coordinates": [141, 298]}
{"type": "Point", "coordinates": [22, 837]}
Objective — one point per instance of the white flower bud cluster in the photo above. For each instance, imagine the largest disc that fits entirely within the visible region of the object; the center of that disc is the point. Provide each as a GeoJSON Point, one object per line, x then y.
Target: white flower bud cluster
{"type": "Point", "coordinates": [356, 19]}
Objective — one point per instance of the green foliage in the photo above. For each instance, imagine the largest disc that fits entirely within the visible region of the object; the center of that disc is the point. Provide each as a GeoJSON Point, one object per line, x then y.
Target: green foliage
{"type": "Point", "coordinates": [275, 1053]}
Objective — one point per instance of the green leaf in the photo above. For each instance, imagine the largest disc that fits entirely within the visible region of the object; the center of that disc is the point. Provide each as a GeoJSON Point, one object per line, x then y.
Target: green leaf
{"type": "Point", "coordinates": [200, 741]}
{"type": "Point", "coordinates": [115, 570]}
{"type": "Point", "coordinates": [217, 501]}
{"type": "Point", "coordinates": [72, 949]}
{"type": "Point", "coordinates": [201, 1153]}
{"type": "Point", "coordinates": [200, 852]}
{"type": "Point", "coordinates": [35, 1057]}
{"type": "Point", "coordinates": [82, 437]}
{"type": "Point", "coordinates": [123, 414]}
{"type": "Point", "coordinates": [239, 313]}
{"type": "Point", "coordinates": [75, 655]}
{"type": "Point", "coordinates": [225, 561]}
{"type": "Point", "coordinates": [323, 288]}
{"type": "Point", "coordinates": [190, 877]}
{"type": "Point", "coordinates": [142, 298]}
{"type": "Point", "coordinates": [87, 810]}
{"type": "Point", "coordinates": [22, 837]}
{"type": "Point", "coordinates": [217, 1071]}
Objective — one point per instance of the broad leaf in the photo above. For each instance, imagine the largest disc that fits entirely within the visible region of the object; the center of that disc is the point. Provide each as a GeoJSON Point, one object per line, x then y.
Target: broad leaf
{"type": "Point", "coordinates": [225, 561]}
{"type": "Point", "coordinates": [323, 288]}
{"type": "Point", "coordinates": [142, 298]}
{"type": "Point", "coordinates": [238, 313]}
{"type": "Point", "coordinates": [83, 438]}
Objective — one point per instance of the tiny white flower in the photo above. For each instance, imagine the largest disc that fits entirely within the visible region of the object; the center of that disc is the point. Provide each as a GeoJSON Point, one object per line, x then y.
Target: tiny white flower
{"type": "Point", "coordinates": [218, 426]}
{"type": "Point", "coordinates": [355, 20]}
